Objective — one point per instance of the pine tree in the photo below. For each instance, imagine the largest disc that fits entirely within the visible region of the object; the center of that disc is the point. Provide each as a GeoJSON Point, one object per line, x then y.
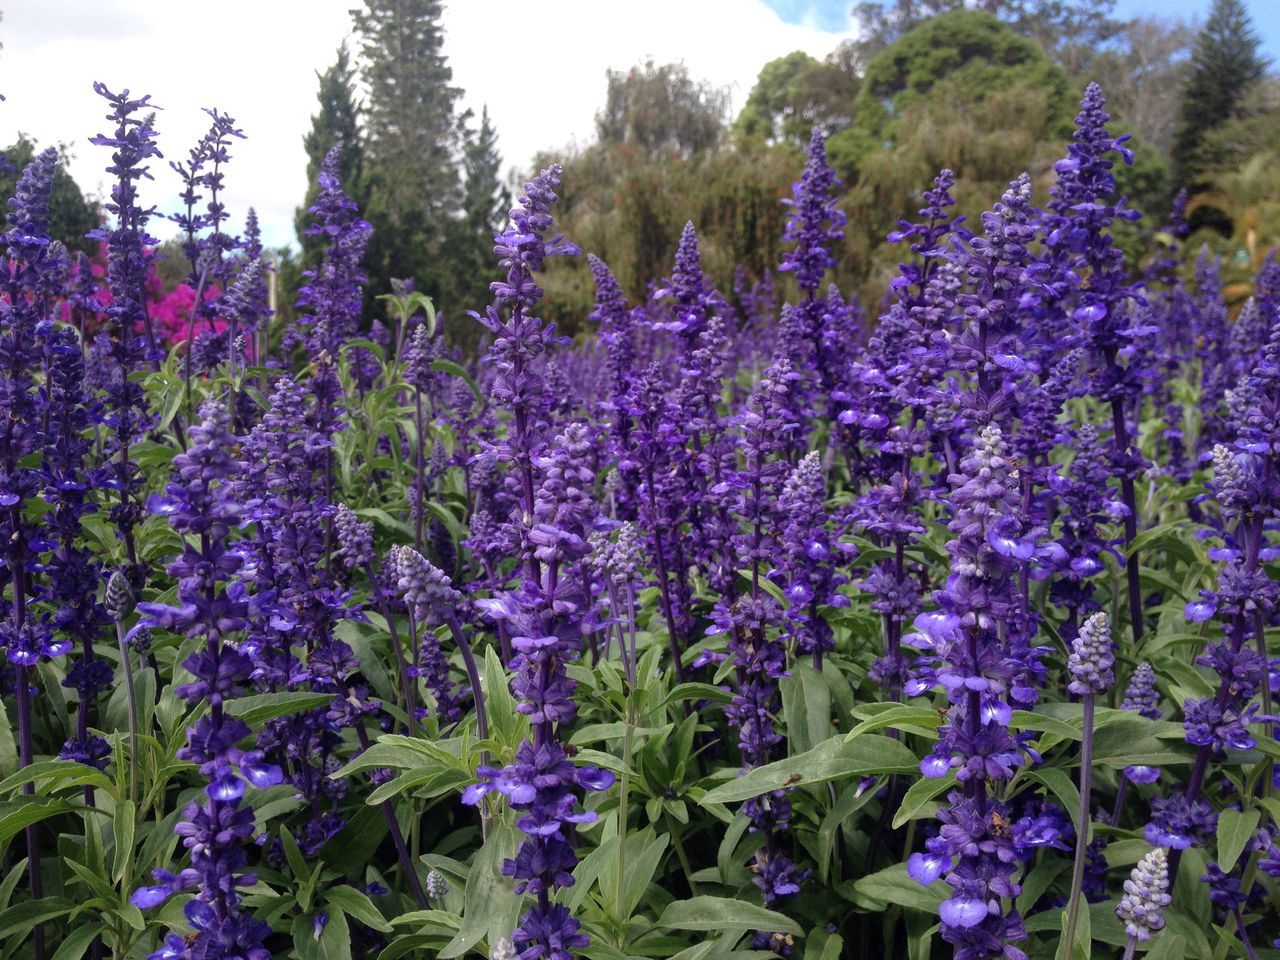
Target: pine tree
{"type": "Point", "coordinates": [485, 200]}
{"type": "Point", "coordinates": [1225, 64]}
{"type": "Point", "coordinates": [337, 122]}
{"type": "Point", "coordinates": [485, 203]}
{"type": "Point", "coordinates": [412, 142]}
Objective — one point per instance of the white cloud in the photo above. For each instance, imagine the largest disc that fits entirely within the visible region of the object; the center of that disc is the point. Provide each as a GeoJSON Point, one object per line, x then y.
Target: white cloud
{"type": "Point", "coordinates": [540, 68]}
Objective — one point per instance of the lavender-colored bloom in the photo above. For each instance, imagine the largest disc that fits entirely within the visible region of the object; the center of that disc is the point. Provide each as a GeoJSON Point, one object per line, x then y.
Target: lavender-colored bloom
{"type": "Point", "coordinates": [1141, 694]}
{"type": "Point", "coordinates": [1092, 659]}
{"type": "Point", "coordinates": [694, 299]}
{"type": "Point", "coordinates": [330, 300]}
{"type": "Point", "coordinates": [428, 594]}
{"type": "Point", "coordinates": [974, 668]}
{"type": "Point", "coordinates": [214, 828]}
{"type": "Point", "coordinates": [1179, 821]}
{"type": "Point", "coordinates": [815, 224]}
{"type": "Point", "coordinates": [118, 602]}
{"type": "Point", "coordinates": [810, 557]}
{"type": "Point", "coordinates": [1146, 894]}
{"type": "Point", "coordinates": [132, 144]}
{"type": "Point", "coordinates": [355, 537]}
{"type": "Point", "coordinates": [546, 614]}
{"type": "Point", "coordinates": [437, 885]}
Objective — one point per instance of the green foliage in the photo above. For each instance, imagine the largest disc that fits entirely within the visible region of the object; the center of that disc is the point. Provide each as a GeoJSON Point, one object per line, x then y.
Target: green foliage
{"type": "Point", "coordinates": [794, 94]}
{"type": "Point", "coordinates": [953, 64]}
{"type": "Point", "coordinates": [71, 216]}
{"type": "Point", "coordinates": [629, 211]}
{"type": "Point", "coordinates": [661, 111]}
{"type": "Point", "coordinates": [412, 136]}
{"type": "Point", "coordinates": [1225, 64]}
{"type": "Point", "coordinates": [485, 202]}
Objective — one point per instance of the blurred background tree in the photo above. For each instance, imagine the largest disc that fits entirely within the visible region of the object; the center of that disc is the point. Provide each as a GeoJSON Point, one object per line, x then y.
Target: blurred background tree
{"type": "Point", "coordinates": [988, 88]}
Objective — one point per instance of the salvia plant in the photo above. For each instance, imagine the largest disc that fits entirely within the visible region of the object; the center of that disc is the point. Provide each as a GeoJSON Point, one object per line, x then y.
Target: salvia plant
{"type": "Point", "coordinates": [756, 626]}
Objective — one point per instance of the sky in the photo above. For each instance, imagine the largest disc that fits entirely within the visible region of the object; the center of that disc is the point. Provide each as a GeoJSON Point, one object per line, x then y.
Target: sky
{"type": "Point", "coordinates": [540, 69]}
{"type": "Point", "coordinates": [836, 15]}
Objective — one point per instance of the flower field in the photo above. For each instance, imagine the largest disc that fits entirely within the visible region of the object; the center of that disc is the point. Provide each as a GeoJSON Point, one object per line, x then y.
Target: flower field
{"type": "Point", "coordinates": [772, 624]}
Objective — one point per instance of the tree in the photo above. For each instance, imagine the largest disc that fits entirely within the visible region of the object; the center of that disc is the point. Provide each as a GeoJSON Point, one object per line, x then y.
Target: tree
{"type": "Point", "coordinates": [944, 71]}
{"type": "Point", "coordinates": [1225, 64]}
{"type": "Point", "coordinates": [485, 203]}
{"type": "Point", "coordinates": [662, 111]}
{"type": "Point", "coordinates": [412, 143]}
{"type": "Point", "coordinates": [796, 93]}
{"type": "Point", "coordinates": [1072, 32]}
{"type": "Point", "coordinates": [70, 215]}
{"type": "Point", "coordinates": [1143, 74]}
{"type": "Point", "coordinates": [338, 122]}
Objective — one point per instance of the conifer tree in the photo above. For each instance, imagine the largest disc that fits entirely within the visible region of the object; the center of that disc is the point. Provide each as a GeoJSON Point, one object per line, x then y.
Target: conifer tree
{"type": "Point", "coordinates": [412, 139]}
{"type": "Point", "coordinates": [338, 122]}
{"type": "Point", "coordinates": [485, 204]}
{"type": "Point", "coordinates": [1225, 64]}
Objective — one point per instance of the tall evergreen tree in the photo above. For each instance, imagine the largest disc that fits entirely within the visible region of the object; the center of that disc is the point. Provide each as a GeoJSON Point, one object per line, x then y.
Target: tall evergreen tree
{"type": "Point", "coordinates": [1225, 64]}
{"type": "Point", "coordinates": [485, 200]}
{"type": "Point", "coordinates": [485, 203]}
{"type": "Point", "coordinates": [412, 140]}
{"type": "Point", "coordinates": [338, 122]}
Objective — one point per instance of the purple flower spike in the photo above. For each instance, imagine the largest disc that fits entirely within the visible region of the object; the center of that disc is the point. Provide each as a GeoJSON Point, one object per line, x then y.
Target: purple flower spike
{"type": "Point", "coordinates": [1092, 659]}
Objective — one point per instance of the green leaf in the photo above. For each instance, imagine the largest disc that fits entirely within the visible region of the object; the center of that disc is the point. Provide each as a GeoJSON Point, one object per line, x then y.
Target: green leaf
{"type": "Point", "coordinates": [919, 796]}
{"type": "Point", "coordinates": [821, 945]}
{"type": "Point", "coordinates": [640, 871]}
{"type": "Point", "coordinates": [334, 942]}
{"type": "Point", "coordinates": [62, 773]}
{"type": "Point", "coordinates": [497, 696]}
{"type": "Point", "coordinates": [601, 759]}
{"type": "Point", "coordinates": [24, 916]}
{"type": "Point", "coordinates": [268, 706]}
{"type": "Point", "coordinates": [1133, 740]}
{"type": "Point", "coordinates": [294, 856]}
{"type": "Point", "coordinates": [123, 822]}
{"type": "Point", "coordinates": [492, 906]}
{"type": "Point", "coordinates": [17, 816]}
{"type": "Point", "coordinates": [1026, 720]}
{"type": "Point", "coordinates": [806, 703]}
{"type": "Point", "coordinates": [356, 904]}
{"type": "Point", "coordinates": [1235, 827]}
{"type": "Point", "coordinates": [921, 720]}
{"type": "Point", "coordinates": [433, 918]}
{"type": "Point", "coordinates": [893, 885]}
{"type": "Point", "coordinates": [453, 369]}
{"type": "Point", "coordinates": [716, 914]}
{"type": "Point", "coordinates": [831, 760]}
{"type": "Point", "coordinates": [8, 748]}
{"type": "Point", "coordinates": [77, 941]}
{"type": "Point", "coordinates": [848, 803]}
{"type": "Point", "coordinates": [1039, 880]}
{"type": "Point", "coordinates": [696, 691]}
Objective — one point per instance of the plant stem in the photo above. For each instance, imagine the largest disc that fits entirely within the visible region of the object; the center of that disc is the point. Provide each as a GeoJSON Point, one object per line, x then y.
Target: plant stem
{"type": "Point", "coordinates": [132, 698]}
{"type": "Point", "coordinates": [473, 675]}
{"type": "Point", "coordinates": [1082, 828]}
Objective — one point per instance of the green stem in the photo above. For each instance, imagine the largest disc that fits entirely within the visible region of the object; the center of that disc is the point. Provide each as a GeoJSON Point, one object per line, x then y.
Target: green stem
{"type": "Point", "coordinates": [132, 698]}
{"type": "Point", "coordinates": [1082, 829]}
{"type": "Point", "coordinates": [624, 790]}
